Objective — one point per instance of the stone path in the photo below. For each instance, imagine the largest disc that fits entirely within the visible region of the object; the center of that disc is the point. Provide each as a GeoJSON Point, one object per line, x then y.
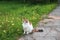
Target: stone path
{"type": "Point", "coordinates": [50, 26]}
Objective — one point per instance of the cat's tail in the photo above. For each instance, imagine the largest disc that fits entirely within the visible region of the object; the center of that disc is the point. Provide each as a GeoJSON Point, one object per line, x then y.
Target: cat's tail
{"type": "Point", "coordinates": [37, 30]}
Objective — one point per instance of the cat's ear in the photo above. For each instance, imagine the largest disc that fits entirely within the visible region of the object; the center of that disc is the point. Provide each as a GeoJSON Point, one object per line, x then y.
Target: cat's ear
{"type": "Point", "coordinates": [24, 19]}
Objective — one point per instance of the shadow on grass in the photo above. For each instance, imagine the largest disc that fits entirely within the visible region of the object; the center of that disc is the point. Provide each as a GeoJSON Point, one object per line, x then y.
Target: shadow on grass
{"type": "Point", "coordinates": [28, 2]}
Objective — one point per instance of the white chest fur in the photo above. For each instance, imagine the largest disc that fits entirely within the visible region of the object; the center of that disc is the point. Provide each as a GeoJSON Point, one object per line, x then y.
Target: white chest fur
{"type": "Point", "coordinates": [27, 27]}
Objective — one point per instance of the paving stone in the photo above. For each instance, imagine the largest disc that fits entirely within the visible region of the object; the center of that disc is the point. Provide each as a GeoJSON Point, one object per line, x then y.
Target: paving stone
{"type": "Point", "coordinates": [46, 38]}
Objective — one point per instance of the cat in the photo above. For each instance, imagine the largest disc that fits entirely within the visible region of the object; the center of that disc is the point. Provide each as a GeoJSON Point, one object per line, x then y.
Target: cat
{"type": "Point", "coordinates": [28, 27]}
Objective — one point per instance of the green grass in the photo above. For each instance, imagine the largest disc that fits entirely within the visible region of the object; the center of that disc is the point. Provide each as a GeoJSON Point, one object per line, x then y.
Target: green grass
{"type": "Point", "coordinates": [11, 17]}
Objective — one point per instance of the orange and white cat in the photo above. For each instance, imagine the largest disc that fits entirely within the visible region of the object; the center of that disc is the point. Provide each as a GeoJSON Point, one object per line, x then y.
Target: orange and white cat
{"type": "Point", "coordinates": [27, 26]}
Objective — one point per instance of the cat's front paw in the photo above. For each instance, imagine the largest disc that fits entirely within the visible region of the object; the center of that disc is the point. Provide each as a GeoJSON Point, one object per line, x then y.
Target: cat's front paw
{"type": "Point", "coordinates": [27, 33]}
{"type": "Point", "coordinates": [24, 33]}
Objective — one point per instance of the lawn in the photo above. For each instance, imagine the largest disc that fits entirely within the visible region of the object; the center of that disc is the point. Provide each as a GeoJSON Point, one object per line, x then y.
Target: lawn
{"type": "Point", "coordinates": [11, 15]}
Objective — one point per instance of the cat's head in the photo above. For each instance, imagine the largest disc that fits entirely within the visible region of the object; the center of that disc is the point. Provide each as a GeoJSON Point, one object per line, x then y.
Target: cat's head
{"type": "Point", "coordinates": [25, 20]}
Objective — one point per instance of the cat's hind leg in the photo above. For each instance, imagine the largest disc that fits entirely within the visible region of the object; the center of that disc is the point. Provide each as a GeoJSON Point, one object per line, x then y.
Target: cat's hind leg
{"type": "Point", "coordinates": [24, 32]}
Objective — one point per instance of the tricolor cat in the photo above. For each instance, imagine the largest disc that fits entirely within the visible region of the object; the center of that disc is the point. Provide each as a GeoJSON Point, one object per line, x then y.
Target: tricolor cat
{"type": "Point", "coordinates": [28, 27]}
